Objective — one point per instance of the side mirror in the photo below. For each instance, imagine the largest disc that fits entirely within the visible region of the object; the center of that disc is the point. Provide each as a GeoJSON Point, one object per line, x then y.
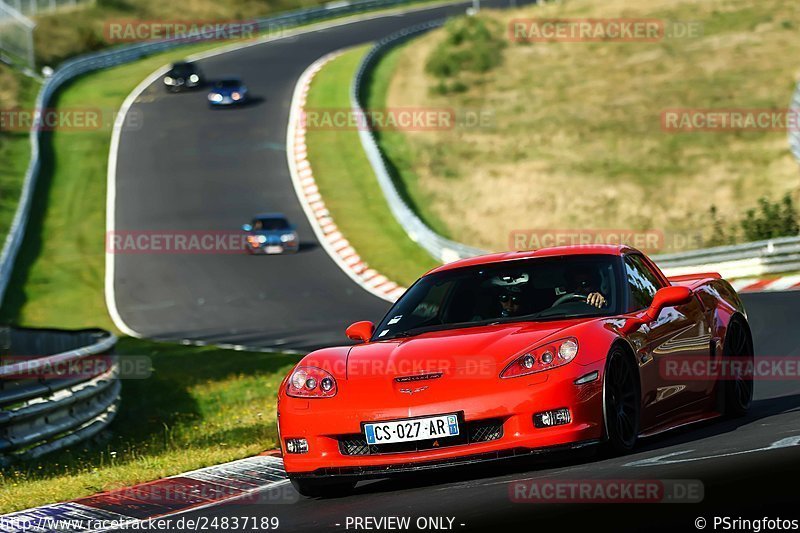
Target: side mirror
{"type": "Point", "coordinates": [360, 331]}
{"type": "Point", "coordinates": [247, 227]}
{"type": "Point", "coordinates": [665, 297]}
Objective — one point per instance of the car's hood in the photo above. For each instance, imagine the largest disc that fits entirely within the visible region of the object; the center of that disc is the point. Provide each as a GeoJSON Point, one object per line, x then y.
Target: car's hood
{"type": "Point", "coordinates": [467, 350]}
{"type": "Point", "coordinates": [275, 233]}
{"type": "Point", "coordinates": [227, 92]}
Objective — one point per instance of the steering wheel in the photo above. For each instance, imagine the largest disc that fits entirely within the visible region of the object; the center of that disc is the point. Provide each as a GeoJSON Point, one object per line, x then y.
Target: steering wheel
{"type": "Point", "coordinates": [567, 297]}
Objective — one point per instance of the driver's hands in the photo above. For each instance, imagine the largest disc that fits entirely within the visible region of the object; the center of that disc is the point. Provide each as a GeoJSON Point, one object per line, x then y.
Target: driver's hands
{"type": "Point", "coordinates": [596, 299]}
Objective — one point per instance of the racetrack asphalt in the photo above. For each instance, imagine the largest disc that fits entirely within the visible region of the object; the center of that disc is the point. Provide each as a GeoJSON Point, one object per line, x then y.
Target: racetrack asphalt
{"type": "Point", "coordinates": [191, 168]}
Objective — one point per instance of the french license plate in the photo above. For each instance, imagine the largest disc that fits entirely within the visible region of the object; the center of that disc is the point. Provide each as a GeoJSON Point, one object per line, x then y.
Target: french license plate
{"type": "Point", "coordinates": [432, 427]}
{"type": "Point", "coordinates": [274, 249]}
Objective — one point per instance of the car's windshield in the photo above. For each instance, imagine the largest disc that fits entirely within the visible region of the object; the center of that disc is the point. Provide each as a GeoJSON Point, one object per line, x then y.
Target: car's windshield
{"type": "Point", "coordinates": [524, 290]}
{"type": "Point", "coordinates": [182, 69]}
{"type": "Point", "coordinates": [227, 84]}
{"type": "Point", "coordinates": [270, 224]}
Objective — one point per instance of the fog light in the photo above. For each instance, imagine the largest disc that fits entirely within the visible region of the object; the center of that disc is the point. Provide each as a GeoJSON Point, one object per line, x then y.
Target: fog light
{"type": "Point", "coordinates": [296, 445]}
{"type": "Point", "coordinates": [556, 417]}
{"type": "Point", "coordinates": [528, 361]}
{"type": "Point", "coordinates": [547, 358]}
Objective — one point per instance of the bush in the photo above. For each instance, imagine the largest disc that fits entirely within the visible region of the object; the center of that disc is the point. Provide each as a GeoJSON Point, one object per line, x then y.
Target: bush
{"type": "Point", "coordinates": [771, 220]}
{"type": "Point", "coordinates": [767, 221]}
{"type": "Point", "coordinates": [471, 45]}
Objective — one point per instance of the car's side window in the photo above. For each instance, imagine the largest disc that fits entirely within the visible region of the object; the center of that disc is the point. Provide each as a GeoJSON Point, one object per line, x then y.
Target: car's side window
{"type": "Point", "coordinates": [642, 282]}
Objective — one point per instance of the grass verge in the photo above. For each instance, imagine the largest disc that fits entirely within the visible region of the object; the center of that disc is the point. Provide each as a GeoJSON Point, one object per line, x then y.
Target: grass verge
{"type": "Point", "coordinates": [16, 92]}
{"type": "Point", "coordinates": [172, 422]}
{"type": "Point", "coordinates": [348, 185]}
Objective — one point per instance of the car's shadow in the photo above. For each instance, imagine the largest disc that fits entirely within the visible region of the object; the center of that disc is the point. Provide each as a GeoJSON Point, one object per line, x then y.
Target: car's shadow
{"type": "Point", "coordinates": [561, 459]}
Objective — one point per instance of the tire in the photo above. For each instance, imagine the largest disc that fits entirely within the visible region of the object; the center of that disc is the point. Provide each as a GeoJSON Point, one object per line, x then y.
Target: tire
{"type": "Point", "coordinates": [322, 488]}
{"type": "Point", "coordinates": [621, 402]}
{"type": "Point", "coordinates": [738, 347]}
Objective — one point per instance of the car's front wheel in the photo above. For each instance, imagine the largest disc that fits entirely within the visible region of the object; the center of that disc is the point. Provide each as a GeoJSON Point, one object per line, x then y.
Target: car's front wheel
{"type": "Point", "coordinates": [621, 401]}
{"type": "Point", "coordinates": [322, 488]}
{"type": "Point", "coordinates": [738, 349]}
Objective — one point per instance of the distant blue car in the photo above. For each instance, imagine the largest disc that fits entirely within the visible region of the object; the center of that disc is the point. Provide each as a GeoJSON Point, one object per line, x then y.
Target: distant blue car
{"type": "Point", "coordinates": [271, 233]}
{"type": "Point", "coordinates": [227, 91]}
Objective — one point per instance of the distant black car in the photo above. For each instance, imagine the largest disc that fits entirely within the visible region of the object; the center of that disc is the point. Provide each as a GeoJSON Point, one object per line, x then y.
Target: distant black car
{"type": "Point", "coordinates": [183, 75]}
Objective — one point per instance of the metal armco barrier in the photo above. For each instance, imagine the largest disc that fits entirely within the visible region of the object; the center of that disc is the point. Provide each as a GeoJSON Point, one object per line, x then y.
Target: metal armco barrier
{"type": "Point", "coordinates": [439, 247]}
{"type": "Point", "coordinates": [48, 399]}
{"type": "Point", "coordinates": [772, 256]}
{"type": "Point", "coordinates": [125, 54]}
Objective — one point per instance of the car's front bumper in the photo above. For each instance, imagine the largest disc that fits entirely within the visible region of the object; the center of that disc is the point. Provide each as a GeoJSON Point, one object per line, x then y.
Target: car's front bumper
{"type": "Point", "coordinates": [382, 471]}
{"type": "Point", "coordinates": [273, 249]}
{"type": "Point", "coordinates": [324, 423]}
{"type": "Point", "coordinates": [227, 101]}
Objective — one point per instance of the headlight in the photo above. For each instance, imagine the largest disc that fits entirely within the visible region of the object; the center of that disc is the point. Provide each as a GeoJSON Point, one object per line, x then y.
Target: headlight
{"type": "Point", "coordinates": [215, 97]}
{"type": "Point", "coordinates": [545, 357]}
{"type": "Point", "coordinates": [168, 80]}
{"type": "Point", "coordinates": [288, 237]}
{"type": "Point", "coordinates": [194, 78]}
{"type": "Point", "coordinates": [311, 382]}
{"type": "Point", "coordinates": [236, 96]}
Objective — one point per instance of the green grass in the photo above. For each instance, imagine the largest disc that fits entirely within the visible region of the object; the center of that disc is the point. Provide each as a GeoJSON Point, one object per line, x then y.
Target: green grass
{"type": "Point", "coordinates": [16, 91]}
{"type": "Point", "coordinates": [200, 407]}
{"type": "Point", "coordinates": [348, 185]}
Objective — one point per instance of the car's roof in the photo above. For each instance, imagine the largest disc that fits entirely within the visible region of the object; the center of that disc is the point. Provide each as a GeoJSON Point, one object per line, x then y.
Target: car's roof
{"type": "Point", "coordinates": [594, 249]}
{"type": "Point", "coordinates": [269, 215]}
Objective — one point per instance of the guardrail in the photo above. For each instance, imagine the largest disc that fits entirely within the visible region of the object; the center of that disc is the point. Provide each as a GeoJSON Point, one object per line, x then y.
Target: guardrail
{"type": "Point", "coordinates": [439, 247]}
{"type": "Point", "coordinates": [48, 399]}
{"type": "Point", "coordinates": [743, 260]}
{"type": "Point", "coordinates": [737, 261]}
{"type": "Point", "coordinates": [125, 54]}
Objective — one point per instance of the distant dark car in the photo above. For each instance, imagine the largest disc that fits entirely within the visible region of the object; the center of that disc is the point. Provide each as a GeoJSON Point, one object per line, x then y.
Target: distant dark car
{"type": "Point", "coordinates": [183, 75]}
{"type": "Point", "coordinates": [227, 91]}
{"type": "Point", "coordinates": [271, 233]}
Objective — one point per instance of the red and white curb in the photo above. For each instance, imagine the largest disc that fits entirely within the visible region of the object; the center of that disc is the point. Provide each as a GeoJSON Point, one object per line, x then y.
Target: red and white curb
{"type": "Point", "coordinates": [786, 283]}
{"type": "Point", "coordinates": [328, 234]}
{"type": "Point", "coordinates": [244, 481]}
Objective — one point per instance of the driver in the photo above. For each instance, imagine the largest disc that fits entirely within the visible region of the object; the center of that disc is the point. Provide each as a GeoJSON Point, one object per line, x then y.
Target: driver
{"type": "Point", "coordinates": [510, 302]}
{"type": "Point", "coordinates": [583, 281]}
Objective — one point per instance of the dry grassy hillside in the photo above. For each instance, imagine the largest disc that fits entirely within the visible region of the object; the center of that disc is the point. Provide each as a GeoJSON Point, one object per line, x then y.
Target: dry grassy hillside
{"type": "Point", "coordinates": [576, 139]}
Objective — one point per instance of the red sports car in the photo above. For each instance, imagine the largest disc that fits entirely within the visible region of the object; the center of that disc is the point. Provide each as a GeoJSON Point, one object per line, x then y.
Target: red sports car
{"type": "Point", "coordinates": [516, 353]}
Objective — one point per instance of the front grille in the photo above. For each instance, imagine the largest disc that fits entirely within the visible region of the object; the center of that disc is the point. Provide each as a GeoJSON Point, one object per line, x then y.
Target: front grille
{"type": "Point", "coordinates": [472, 432]}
